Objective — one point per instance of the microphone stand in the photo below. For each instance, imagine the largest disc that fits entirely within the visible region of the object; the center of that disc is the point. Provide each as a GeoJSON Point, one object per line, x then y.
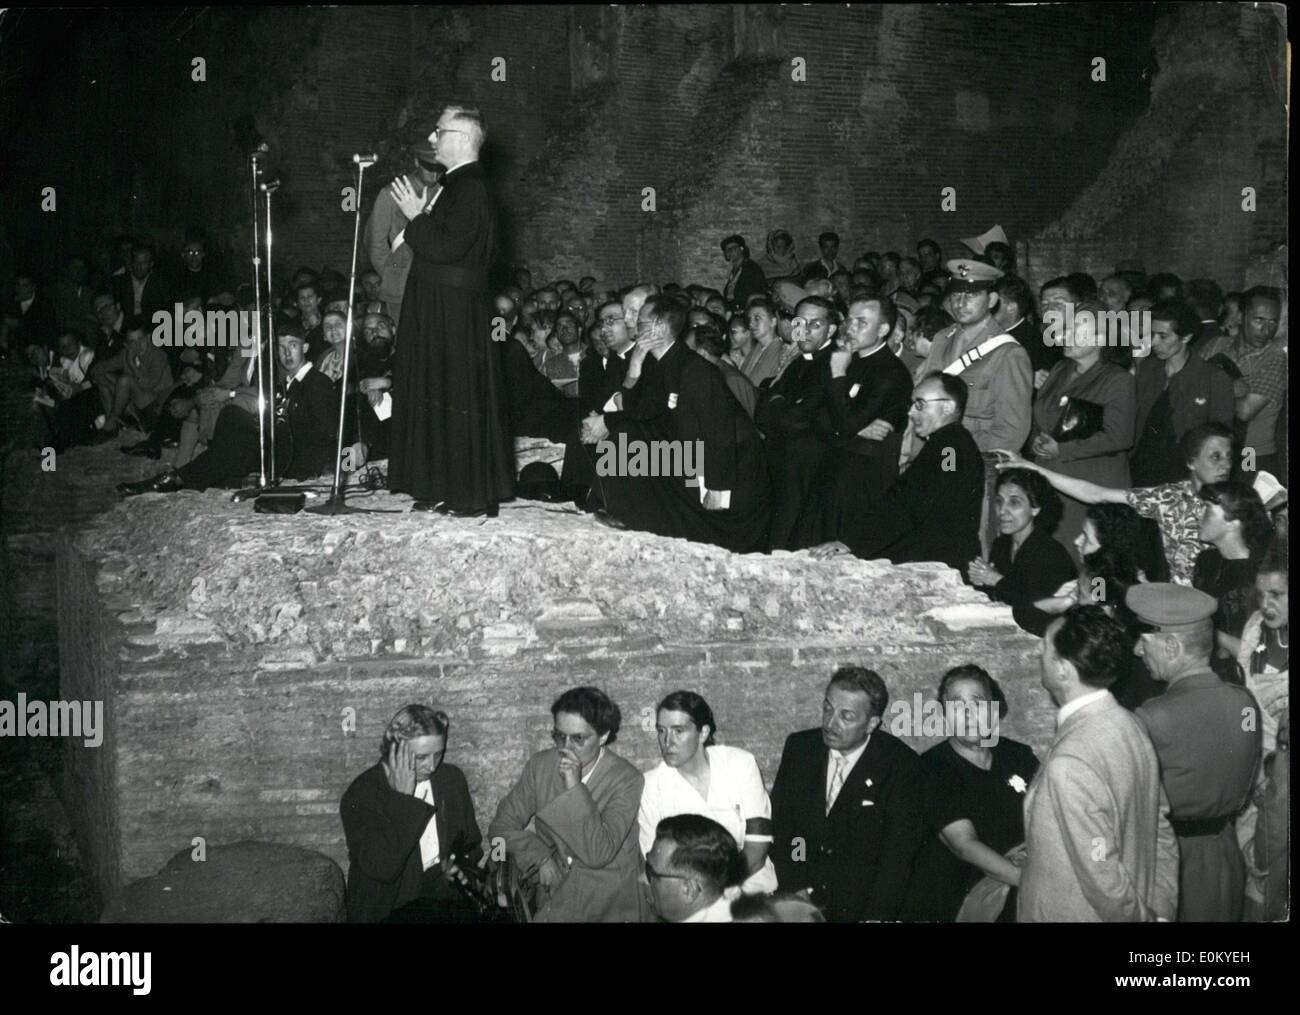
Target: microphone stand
{"type": "Point", "coordinates": [269, 188]}
{"type": "Point", "coordinates": [335, 505]}
{"type": "Point", "coordinates": [257, 335]}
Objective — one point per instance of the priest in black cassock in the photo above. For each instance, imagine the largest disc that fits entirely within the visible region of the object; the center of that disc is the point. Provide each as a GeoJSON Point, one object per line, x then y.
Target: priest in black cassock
{"type": "Point", "coordinates": [684, 399]}
{"type": "Point", "coordinates": [932, 512]}
{"type": "Point", "coordinates": [451, 445]}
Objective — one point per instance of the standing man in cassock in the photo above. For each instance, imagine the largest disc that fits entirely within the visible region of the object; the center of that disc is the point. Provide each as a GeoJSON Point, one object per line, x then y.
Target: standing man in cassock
{"type": "Point", "coordinates": [451, 446]}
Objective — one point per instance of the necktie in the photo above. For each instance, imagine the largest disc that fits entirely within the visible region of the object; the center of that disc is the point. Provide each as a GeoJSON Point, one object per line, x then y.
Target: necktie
{"type": "Point", "coordinates": [837, 782]}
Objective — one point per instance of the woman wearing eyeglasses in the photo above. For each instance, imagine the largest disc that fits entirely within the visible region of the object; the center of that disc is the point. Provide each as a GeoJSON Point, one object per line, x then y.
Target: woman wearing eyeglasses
{"type": "Point", "coordinates": [583, 855]}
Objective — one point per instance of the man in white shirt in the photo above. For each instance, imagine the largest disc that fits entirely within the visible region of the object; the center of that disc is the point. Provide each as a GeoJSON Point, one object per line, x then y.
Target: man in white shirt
{"type": "Point", "coordinates": [693, 860]}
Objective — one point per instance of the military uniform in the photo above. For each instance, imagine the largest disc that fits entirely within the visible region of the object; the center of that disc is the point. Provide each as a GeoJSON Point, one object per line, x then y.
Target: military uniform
{"type": "Point", "coordinates": [1209, 750]}
{"type": "Point", "coordinates": [1000, 383]}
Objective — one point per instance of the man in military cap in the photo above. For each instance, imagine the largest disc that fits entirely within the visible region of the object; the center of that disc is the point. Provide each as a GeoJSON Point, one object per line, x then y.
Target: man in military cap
{"type": "Point", "coordinates": [1207, 736]}
{"type": "Point", "coordinates": [993, 364]}
{"type": "Point", "coordinates": [746, 278]}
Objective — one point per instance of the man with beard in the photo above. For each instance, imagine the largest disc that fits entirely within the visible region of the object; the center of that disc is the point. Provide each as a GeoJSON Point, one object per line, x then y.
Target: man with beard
{"type": "Point", "coordinates": [451, 447]}
{"type": "Point", "coordinates": [787, 410]}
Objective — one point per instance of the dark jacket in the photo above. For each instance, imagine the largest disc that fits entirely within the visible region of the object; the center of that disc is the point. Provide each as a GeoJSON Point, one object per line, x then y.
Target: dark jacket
{"type": "Point", "coordinates": [383, 829]}
{"type": "Point", "coordinates": [1039, 569]}
{"type": "Point", "coordinates": [311, 410]}
{"type": "Point", "coordinates": [932, 512]}
{"type": "Point", "coordinates": [857, 859]}
{"type": "Point", "coordinates": [1199, 393]}
{"type": "Point", "coordinates": [751, 282]}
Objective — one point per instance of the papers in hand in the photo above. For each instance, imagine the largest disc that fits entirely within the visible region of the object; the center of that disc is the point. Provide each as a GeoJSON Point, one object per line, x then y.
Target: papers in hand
{"type": "Point", "coordinates": [385, 407]}
{"type": "Point", "coordinates": [1269, 490]}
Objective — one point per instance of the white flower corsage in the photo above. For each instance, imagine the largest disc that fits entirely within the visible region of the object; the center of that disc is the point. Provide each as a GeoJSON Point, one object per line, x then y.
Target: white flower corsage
{"type": "Point", "coordinates": [1017, 783]}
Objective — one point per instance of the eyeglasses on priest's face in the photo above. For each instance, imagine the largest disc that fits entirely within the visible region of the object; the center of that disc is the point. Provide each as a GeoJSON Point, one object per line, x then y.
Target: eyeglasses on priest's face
{"type": "Point", "coordinates": [445, 130]}
{"type": "Point", "coordinates": [919, 403]}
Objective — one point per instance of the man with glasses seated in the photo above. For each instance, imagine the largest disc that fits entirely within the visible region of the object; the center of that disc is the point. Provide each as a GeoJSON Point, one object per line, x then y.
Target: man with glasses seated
{"type": "Point", "coordinates": [387, 221]}
{"type": "Point", "coordinates": [693, 860]}
{"type": "Point", "coordinates": [932, 512]}
{"type": "Point", "coordinates": [582, 799]}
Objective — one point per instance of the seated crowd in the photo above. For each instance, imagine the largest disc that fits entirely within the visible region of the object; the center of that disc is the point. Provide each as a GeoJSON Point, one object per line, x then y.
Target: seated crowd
{"type": "Point", "coordinates": [1188, 802]}
{"type": "Point", "coordinates": [1062, 455]}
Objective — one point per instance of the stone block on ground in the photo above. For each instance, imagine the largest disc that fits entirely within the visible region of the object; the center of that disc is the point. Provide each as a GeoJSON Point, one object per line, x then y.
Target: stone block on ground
{"type": "Point", "coordinates": [244, 882]}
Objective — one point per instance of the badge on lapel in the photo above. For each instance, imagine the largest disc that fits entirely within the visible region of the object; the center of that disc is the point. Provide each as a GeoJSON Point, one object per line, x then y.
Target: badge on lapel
{"type": "Point", "coordinates": [672, 400]}
{"type": "Point", "coordinates": [1199, 401]}
{"type": "Point", "coordinates": [1017, 783]}
{"type": "Point", "coordinates": [853, 391]}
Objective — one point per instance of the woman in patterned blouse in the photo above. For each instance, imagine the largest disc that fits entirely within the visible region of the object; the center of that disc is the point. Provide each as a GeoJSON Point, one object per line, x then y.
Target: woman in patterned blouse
{"type": "Point", "coordinates": [1176, 507]}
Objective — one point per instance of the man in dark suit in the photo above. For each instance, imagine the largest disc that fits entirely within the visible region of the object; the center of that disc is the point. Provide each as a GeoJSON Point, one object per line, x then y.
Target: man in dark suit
{"type": "Point", "coordinates": [862, 420]}
{"type": "Point", "coordinates": [143, 290]}
{"type": "Point", "coordinates": [29, 319]}
{"type": "Point", "coordinates": [305, 419]}
{"type": "Point", "coordinates": [933, 511]}
{"type": "Point", "coordinates": [410, 828]}
{"type": "Point", "coordinates": [786, 413]}
{"type": "Point", "coordinates": [685, 408]}
{"type": "Point", "coordinates": [846, 806]}
{"type": "Point", "coordinates": [451, 448]}
{"type": "Point", "coordinates": [829, 245]}
{"type": "Point", "coordinates": [746, 278]}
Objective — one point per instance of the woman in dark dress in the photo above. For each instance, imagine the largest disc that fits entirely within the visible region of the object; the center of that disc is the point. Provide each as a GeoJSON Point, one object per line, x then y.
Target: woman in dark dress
{"type": "Point", "coordinates": [974, 788]}
{"type": "Point", "coordinates": [1237, 527]}
{"type": "Point", "coordinates": [1025, 563]}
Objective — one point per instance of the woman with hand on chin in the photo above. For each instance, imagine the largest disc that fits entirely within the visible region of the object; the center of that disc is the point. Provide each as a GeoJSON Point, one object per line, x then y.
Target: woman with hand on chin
{"type": "Point", "coordinates": [1025, 563]}
{"type": "Point", "coordinates": [1238, 530]}
{"type": "Point", "coordinates": [582, 798]}
{"type": "Point", "coordinates": [698, 776]}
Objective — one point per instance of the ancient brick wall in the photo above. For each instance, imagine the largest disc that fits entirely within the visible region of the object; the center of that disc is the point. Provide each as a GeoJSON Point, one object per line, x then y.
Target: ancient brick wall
{"type": "Point", "coordinates": [234, 646]}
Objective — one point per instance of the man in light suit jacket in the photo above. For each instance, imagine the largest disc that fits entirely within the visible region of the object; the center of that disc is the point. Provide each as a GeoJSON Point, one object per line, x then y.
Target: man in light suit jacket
{"type": "Point", "coordinates": [581, 800]}
{"type": "Point", "coordinates": [387, 221]}
{"type": "Point", "coordinates": [1099, 843]}
{"type": "Point", "coordinates": [846, 806]}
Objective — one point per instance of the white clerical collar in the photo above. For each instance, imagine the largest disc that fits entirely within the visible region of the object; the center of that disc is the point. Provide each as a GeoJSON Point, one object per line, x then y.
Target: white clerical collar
{"type": "Point", "coordinates": [461, 166]}
{"type": "Point", "coordinates": [810, 355]}
{"type": "Point", "coordinates": [302, 372]}
{"type": "Point", "coordinates": [1071, 707]}
{"type": "Point", "coordinates": [26, 304]}
{"type": "Point", "coordinates": [872, 352]}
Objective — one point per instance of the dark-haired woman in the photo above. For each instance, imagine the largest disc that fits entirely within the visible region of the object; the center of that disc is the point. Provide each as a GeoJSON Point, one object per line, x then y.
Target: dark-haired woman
{"type": "Point", "coordinates": [699, 776]}
{"type": "Point", "coordinates": [1236, 526]}
{"type": "Point", "coordinates": [974, 792]}
{"type": "Point", "coordinates": [582, 799]}
{"type": "Point", "coordinates": [1025, 563]}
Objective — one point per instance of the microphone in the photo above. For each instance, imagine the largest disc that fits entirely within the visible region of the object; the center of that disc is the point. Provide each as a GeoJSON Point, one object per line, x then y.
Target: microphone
{"type": "Point", "coordinates": [270, 186]}
{"type": "Point", "coordinates": [365, 160]}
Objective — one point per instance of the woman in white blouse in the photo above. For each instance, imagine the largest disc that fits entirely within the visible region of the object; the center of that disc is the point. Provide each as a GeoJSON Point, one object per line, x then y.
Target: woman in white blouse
{"type": "Point", "coordinates": [699, 776]}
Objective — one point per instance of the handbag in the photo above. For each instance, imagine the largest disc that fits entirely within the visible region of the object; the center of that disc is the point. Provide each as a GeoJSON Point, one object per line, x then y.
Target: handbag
{"type": "Point", "coordinates": [1080, 420]}
{"type": "Point", "coordinates": [987, 898]}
